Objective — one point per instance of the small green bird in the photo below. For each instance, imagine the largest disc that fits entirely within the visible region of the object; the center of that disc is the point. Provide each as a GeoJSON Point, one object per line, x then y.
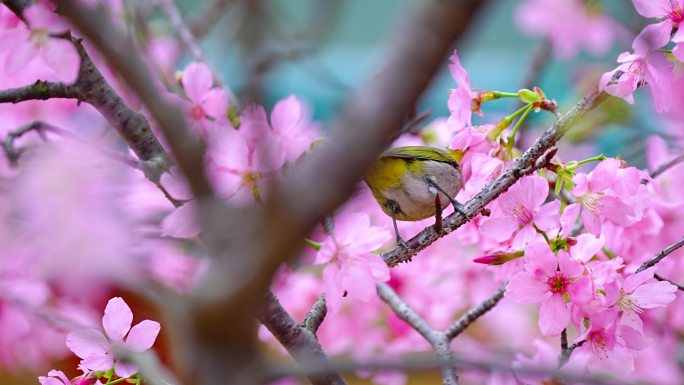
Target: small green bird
{"type": "Point", "coordinates": [415, 182]}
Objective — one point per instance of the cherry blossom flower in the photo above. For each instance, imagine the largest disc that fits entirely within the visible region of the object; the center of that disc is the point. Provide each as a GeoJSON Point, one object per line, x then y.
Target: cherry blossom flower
{"type": "Point", "coordinates": [634, 293]}
{"type": "Point", "coordinates": [350, 265]}
{"type": "Point", "coordinates": [241, 174]}
{"type": "Point", "coordinates": [292, 127]}
{"type": "Point", "coordinates": [96, 349]}
{"type": "Point", "coordinates": [57, 377]}
{"type": "Point", "coordinates": [608, 193]}
{"type": "Point", "coordinates": [522, 210]}
{"type": "Point", "coordinates": [635, 69]}
{"type": "Point", "coordinates": [569, 25]}
{"type": "Point", "coordinates": [208, 106]}
{"type": "Point", "coordinates": [461, 99]}
{"type": "Point", "coordinates": [34, 42]}
{"type": "Point", "coordinates": [655, 36]}
{"type": "Point", "coordinates": [546, 280]}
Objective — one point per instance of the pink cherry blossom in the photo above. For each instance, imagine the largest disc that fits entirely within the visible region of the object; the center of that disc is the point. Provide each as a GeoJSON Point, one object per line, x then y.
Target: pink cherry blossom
{"type": "Point", "coordinates": [97, 349]}
{"type": "Point", "coordinates": [292, 126]}
{"type": "Point", "coordinates": [546, 280]}
{"type": "Point", "coordinates": [636, 293]}
{"type": "Point", "coordinates": [34, 42]}
{"type": "Point", "coordinates": [350, 265]}
{"type": "Point", "coordinates": [608, 193]}
{"type": "Point", "coordinates": [655, 36]}
{"type": "Point", "coordinates": [57, 377]}
{"type": "Point", "coordinates": [241, 173]}
{"type": "Point", "coordinates": [569, 25]}
{"type": "Point", "coordinates": [636, 69]}
{"type": "Point", "coordinates": [208, 106]}
{"type": "Point", "coordinates": [523, 210]}
{"type": "Point", "coordinates": [461, 98]}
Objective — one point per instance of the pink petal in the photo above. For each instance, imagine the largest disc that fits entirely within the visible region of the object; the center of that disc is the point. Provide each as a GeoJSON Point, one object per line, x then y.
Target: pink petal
{"type": "Point", "coordinates": [327, 252]}
{"type": "Point", "coordinates": [51, 381]}
{"type": "Point", "coordinates": [268, 153]}
{"type": "Point", "coordinates": [548, 216]}
{"type": "Point", "coordinates": [228, 151]}
{"type": "Point", "coordinates": [39, 16]}
{"type": "Point", "coordinates": [286, 114]}
{"type": "Point", "coordinates": [181, 222]}
{"type": "Point", "coordinates": [498, 229]}
{"type": "Point", "coordinates": [254, 125]}
{"type": "Point", "coordinates": [569, 218]}
{"type": "Point", "coordinates": [616, 211]}
{"type": "Point", "coordinates": [635, 280]}
{"type": "Point", "coordinates": [59, 374]}
{"type": "Point", "coordinates": [634, 339]}
{"type": "Point", "coordinates": [678, 39]}
{"type": "Point", "coordinates": [587, 246]}
{"type": "Point", "coordinates": [591, 221]}
{"type": "Point", "coordinates": [553, 315]}
{"type": "Point", "coordinates": [458, 72]}
{"type": "Point", "coordinates": [142, 336]}
{"type": "Point", "coordinates": [540, 260]}
{"type": "Point", "coordinates": [117, 319]}
{"type": "Point", "coordinates": [358, 280]}
{"type": "Point", "coordinates": [524, 236]}
{"type": "Point", "coordinates": [87, 342]}
{"type": "Point", "coordinates": [603, 176]}
{"type": "Point", "coordinates": [378, 268]}
{"type": "Point", "coordinates": [125, 369]}
{"type": "Point", "coordinates": [333, 287]}
{"type": "Point", "coordinates": [568, 267]}
{"type": "Point", "coordinates": [581, 291]}
{"type": "Point", "coordinates": [20, 57]}
{"type": "Point", "coordinates": [215, 103]}
{"type": "Point", "coordinates": [103, 362]}
{"type": "Point", "coordinates": [62, 58]}
{"type": "Point", "coordinates": [652, 37]}
{"type": "Point", "coordinates": [196, 81]}
{"type": "Point", "coordinates": [652, 8]}
{"type": "Point", "coordinates": [11, 38]}
{"type": "Point", "coordinates": [652, 295]}
{"type": "Point", "coordinates": [525, 289]}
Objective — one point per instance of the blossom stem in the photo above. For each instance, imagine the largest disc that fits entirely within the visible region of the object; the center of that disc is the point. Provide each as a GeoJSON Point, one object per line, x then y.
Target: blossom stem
{"type": "Point", "coordinates": [511, 138]}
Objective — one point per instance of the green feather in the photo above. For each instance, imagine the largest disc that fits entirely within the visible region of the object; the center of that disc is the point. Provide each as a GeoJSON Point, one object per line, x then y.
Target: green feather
{"type": "Point", "coordinates": [421, 153]}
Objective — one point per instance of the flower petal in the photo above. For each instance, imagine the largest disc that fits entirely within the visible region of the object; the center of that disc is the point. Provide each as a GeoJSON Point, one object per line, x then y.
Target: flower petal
{"type": "Point", "coordinates": [117, 319]}
{"type": "Point", "coordinates": [525, 289]}
{"type": "Point", "coordinates": [553, 315]}
{"type": "Point", "coordinates": [652, 37]}
{"type": "Point", "coordinates": [125, 369]}
{"type": "Point", "coordinates": [87, 342]}
{"type": "Point", "coordinates": [103, 362]}
{"type": "Point", "coordinates": [62, 58]}
{"type": "Point", "coordinates": [142, 336]}
{"type": "Point", "coordinates": [196, 81]}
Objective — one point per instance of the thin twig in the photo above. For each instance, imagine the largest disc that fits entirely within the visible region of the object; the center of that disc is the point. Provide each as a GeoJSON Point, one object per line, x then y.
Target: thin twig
{"type": "Point", "coordinates": [663, 279]}
{"type": "Point", "coordinates": [666, 166]}
{"type": "Point", "coordinates": [212, 13]}
{"type": "Point", "coordinates": [438, 340]}
{"type": "Point", "coordinates": [316, 315]}
{"type": "Point", "coordinates": [473, 314]}
{"type": "Point", "coordinates": [404, 311]}
{"type": "Point", "coordinates": [662, 254]}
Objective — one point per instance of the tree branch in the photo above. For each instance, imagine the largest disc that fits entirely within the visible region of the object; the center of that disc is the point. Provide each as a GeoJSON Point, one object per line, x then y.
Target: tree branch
{"type": "Point", "coordinates": [299, 341]}
{"type": "Point", "coordinates": [534, 158]}
{"type": "Point", "coordinates": [473, 314]}
{"type": "Point", "coordinates": [100, 30]}
{"type": "Point", "coordinates": [662, 254]}
{"type": "Point", "coordinates": [316, 315]}
{"type": "Point", "coordinates": [40, 90]}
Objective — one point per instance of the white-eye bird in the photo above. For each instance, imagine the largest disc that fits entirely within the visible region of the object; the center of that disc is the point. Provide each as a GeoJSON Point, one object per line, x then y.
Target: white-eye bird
{"type": "Point", "coordinates": [415, 182]}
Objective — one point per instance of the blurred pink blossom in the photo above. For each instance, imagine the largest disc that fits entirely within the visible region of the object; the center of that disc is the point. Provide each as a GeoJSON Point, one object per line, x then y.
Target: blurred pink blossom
{"type": "Point", "coordinates": [28, 43]}
{"type": "Point", "coordinates": [97, 350]}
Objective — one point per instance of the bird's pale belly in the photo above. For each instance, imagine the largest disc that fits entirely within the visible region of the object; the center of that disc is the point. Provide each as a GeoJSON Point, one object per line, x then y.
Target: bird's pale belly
{"type": "Point", "coordinates": [416, 199]}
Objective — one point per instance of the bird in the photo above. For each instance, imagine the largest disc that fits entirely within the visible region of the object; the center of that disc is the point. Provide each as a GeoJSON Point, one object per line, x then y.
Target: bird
{"type": "Point", "coordinates": [412, 183]}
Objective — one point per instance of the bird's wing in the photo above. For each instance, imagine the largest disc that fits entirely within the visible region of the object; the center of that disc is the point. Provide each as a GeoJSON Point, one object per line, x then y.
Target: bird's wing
{"type": "Point", "coordinates": [422, 153]}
